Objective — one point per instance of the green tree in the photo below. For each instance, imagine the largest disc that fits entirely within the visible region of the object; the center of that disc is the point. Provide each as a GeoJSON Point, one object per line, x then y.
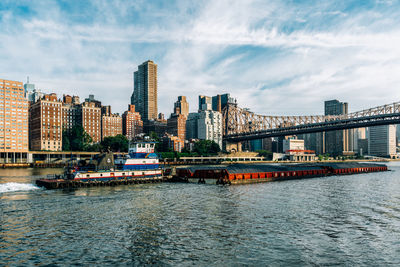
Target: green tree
{"type": "Point", "coordinates": [76, 139]}
{"type": "Point", "coordinates": [206, 147]}
{"type": "Point", "coordinates": [153, 135]}
{"type": "Point", "coordinates": [158, 147]}
{"type": "Point", "coordinates": [94, 148]}
{"type": "Point", "coordinates": [118, 143]}
{"type": "Point", "coordinates": [264, 153]}
{"type": "Point", "coordinates": [65, 141]}
{"type": "Point", "coordinates": [167, 155]}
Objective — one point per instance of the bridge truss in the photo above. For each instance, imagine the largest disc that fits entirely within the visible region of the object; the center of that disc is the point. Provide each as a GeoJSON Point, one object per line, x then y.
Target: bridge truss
{"type": "Point", "coordinates": [241, 124]}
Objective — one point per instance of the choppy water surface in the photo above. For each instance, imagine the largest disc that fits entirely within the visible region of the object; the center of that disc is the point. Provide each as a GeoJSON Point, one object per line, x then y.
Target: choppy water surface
{"type": "Point", "coordinates": [347, 220]}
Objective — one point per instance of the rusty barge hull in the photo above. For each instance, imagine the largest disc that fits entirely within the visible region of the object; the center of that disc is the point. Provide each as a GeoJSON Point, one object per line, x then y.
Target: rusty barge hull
{"type": "Point", "coordinates": [258, 173]}
{"type": "Point", "coordinates": [66, 184]}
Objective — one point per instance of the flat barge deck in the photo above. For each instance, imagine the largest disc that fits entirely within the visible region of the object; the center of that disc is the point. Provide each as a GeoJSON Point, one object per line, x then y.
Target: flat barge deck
{"type": "Point", "coordinates": [231, 174]}
{"type": "Point", "coordinates": [256, 173]}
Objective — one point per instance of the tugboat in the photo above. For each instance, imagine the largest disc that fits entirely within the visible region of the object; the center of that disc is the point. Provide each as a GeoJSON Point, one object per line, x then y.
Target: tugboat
{"type": "Point", "coordinates": [140, 165]}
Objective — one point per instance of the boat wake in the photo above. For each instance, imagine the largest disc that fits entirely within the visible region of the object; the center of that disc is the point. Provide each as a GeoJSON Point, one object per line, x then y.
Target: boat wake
{"type": "Point", "coordinates": [14, 187]}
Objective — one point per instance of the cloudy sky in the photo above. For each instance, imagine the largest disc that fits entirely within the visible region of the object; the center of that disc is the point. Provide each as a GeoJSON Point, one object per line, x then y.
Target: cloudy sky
{"type": "Point", "coordinates": [275, 57]}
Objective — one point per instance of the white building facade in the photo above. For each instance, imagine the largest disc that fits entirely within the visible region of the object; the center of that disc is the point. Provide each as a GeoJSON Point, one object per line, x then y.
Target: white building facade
{"type": "Point", "coordinates": [292, 144]}
{"type": "Point", "coordinates": [209, 125]}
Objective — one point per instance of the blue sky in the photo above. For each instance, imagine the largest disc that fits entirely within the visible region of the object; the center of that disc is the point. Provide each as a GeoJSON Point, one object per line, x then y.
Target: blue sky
{"type": "Point", "coordinates": [276, 57]}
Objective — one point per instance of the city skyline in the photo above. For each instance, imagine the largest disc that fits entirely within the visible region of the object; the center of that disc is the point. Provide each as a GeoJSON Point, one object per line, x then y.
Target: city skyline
{"type": "Point", "coordinates": [308, 54]}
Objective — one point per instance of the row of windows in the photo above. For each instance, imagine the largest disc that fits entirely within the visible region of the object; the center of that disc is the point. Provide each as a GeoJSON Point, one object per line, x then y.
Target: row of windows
{"type": "Point", "coordinates": [7, 83]}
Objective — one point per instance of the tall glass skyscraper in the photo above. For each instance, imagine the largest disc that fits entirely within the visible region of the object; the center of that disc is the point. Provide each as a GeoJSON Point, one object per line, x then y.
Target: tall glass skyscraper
{"type": "Point", "coordinates": [144, 95]}
{"type": "Point", "coordinates": [338, 142]}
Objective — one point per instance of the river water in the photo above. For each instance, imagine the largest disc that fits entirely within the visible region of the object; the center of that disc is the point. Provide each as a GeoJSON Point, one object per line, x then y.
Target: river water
{"type": "Point", "coordinates": [338, 220]}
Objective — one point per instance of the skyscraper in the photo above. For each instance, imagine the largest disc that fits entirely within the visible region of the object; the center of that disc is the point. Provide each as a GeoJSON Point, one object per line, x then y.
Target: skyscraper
{"type": "Point", "coordinates": [181, 106]}
{"type": "Point", "coordinates": [334, 107]}
{"type": "Point", "coordinates": [176, 124]}
{"type": "Point", "coordinates": [205, 102]}
{"type": "Point", "coordinates": [29, 86]}
{"type": "Point", "coordinates": [144, 95]}
{"type": "Point", "coordinates": [219, 102]}
{"type": "Point", "coordinates": [337, 142]}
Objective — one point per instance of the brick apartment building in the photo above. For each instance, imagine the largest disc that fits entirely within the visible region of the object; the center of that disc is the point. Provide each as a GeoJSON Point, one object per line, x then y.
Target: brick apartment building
{"type": "Point", "coordinates": [46, 124]}
{"type": "Point", "coordinates": [132, 123]}
{"type": "Point", "coordinates": [176, 125]}
{"type": "Point", "coordinates": [111, 124]}
{"type": "Point", "coordinates": [71, 112]}
{"type": "Point", "coordinates": [91, 120]}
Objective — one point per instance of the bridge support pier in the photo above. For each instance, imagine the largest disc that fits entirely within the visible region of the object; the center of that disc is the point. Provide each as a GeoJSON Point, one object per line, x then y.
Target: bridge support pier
{"type": "Point", "coordinates": [233, 147]}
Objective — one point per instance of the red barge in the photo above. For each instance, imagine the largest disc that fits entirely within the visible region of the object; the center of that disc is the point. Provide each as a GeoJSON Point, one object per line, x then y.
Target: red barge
{"type": "Point", "coordinates": [256, 173]}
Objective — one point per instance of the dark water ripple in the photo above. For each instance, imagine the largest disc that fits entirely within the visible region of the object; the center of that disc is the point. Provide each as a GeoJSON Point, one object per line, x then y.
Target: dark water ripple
{"type": "Point", "coordinates": [347, 220]}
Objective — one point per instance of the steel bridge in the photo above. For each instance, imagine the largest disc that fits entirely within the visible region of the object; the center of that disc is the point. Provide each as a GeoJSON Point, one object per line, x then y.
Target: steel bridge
{"type": "Point", "coordinates": [240, 124]}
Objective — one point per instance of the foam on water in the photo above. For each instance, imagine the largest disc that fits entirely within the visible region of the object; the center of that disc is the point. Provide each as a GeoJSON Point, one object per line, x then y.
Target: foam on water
{"type": "Point", "coordinates": [13, 187]}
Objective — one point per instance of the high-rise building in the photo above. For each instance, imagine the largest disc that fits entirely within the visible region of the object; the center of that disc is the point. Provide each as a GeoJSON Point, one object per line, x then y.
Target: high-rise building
{"type": "Point", "coordinates": [192, 126]}
{"type": "Point", "coordinates": [95, 119]}
{"type": "Point", "coordinates": [144, 96]}
{"type": "Point", "coordinates": [91, 120]}
{"type": "Point", "coordinates": [292, 144]}
{"type": "Point", "coordinates": [337, 142]}
{"type": "Point", "coordinates": [31, 93]}
{"type": "Point", "coordinates": [173, 142]}
{"type": "Point", "coordinates": [205, 102]}
{"type": "Point", "coordinates": [28, 86]}
{"type": "Point", "coordinates": [91, 99]}
{"type": "Point", "coordinates": [398, 134]}
{"type": "Point", "coordinates": [181, 106]}
{"type": "Point", "coordinates": [267, 144]}
{"type": "Point", "coordinates": [132, 124]}
{"type": "Point", "coordinates": [210, 126]}
{"type": "Point", "coordinates": [71, 112]}
{"type": "Point", "coordinates": [313, 141]}
{"type": "Point", "coordinates": [219, 102]}
{"type": "Point", "coordinates": [75, 100]}
{"type": "Point", "coordinates": [46, 124]}
{"type": "Point", "coordinates": [176, 125]}
{"type": "Point", "coordinates": [34, 95]}
{"type": "Point", "coordinates": [334, 107]}
{"type": "Point", "coordinates": [161, 117]}
{"type": "Point", "coordinates": [382, 141]}
{"type": "Point", "coordinates": [159, 127]}
{"type": "Point", "coordinates": [207, 123]}
{"type": "Point", "coordinates": [216, 103]}
{"type": "Point", "coordinates": [359, 139]}
{"type": "Point", "coordinates": [13, 120]}
{"type": "Point", "coordinates": [111, 124]}
{"type": "Point", "coordinates": [256, 144]}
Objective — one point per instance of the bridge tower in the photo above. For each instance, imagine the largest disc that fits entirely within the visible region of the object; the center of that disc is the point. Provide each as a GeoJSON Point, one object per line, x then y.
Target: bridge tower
{"type": "Point", "coordinates": [230, 122]}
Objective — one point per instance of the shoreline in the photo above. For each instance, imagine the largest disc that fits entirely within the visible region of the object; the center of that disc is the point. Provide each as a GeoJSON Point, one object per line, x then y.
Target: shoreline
{"type": "Point", "coordinates": [57, 166]}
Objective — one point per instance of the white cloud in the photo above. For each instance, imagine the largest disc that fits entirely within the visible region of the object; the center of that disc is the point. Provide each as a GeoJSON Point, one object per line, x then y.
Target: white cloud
{"type": "Point", "coordinates": [274, 57]}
